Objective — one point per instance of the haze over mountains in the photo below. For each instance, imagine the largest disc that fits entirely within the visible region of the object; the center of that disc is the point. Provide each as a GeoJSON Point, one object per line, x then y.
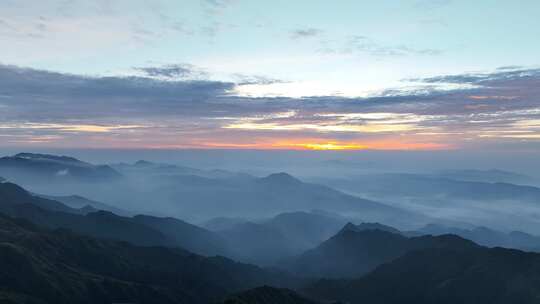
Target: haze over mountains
{"type": "Point", "coordinates": [195, 194]}
{"type": "Point", "coordinates": [28, 166]}
{"type": "Point", "coordinates": [464, 196]}
{"type": "Point", "coordinates": [303, 242]}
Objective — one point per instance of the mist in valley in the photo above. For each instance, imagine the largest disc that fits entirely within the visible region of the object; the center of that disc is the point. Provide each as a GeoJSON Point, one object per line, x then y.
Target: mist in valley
{"type": "Point", "coordinates": [247, 211]}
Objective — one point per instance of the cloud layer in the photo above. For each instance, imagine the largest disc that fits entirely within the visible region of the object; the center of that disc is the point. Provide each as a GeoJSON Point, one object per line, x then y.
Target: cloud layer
{"type": "Point", "coordinates": [173, 110]}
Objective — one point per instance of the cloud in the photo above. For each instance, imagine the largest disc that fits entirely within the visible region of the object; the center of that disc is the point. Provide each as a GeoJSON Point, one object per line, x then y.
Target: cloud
{"type": "Point", "coordinates": [29, 82]}
{"type": "Point", "coordinates": [243, 79]}
{"type": "Point", "coordinates": [503, 73]}
{"type": "Point", "coordinates": [364, 44]}
{"type": "Point", "coordinates": [166, 108]}
{"type": "Point", "coordinates": [173, 71]}
{"type": "Point", "coordinates": [181, 27]}
{"type": "Point", "coordinates": [305, 33]}
{"type": "Point", "coordinates": [215, 7]}
{"type": "Point", "coordinates": [70, 128]}
{"type": "Point", "coordinates": [510, 67]}
{"type": "Point", "coordinates": [432, 4]}
{"type": "Point", "coordinates": [31, 30]}
{"type": "Point", "coordinates": [218, 3]}
{"type": "Point", "coordinates": [365, 128]}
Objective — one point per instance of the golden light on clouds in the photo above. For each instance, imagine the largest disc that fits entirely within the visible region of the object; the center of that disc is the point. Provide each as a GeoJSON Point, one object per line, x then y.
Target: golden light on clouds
{"type": "Point", "coordinates": [527, 124]}
{"type": "Point", "coordinates": [527, 129]}
{"type": "Point", "coordinates": [379, 117]}
{"type": "Point", "coordinates": [365, 128]}
{"type": "Point", "coordinates": [374, 122]}
{"type": "Point", "coordinates": [84, 128]}
{"type": "Point", "coordinates": [332, 146]}
{"type": "Point", "coordinates": [483, 97]}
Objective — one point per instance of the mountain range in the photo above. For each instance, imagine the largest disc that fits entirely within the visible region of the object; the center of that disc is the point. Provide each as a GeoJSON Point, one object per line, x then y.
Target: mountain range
{"type": "Point", "coordinates": [357, 250]}
{"type": "Point", "coordinates": [41, 261]}
{"type": "Point", "coordinates": [188, 193]}
{"type": "Point", "coordinates": [268, 241]}
{"type": "Point", "coordinates": [79, 202]}
{"type": "Point", "coordinates": [41, 266]}
{"type": "Point", "coordinates": [316, 244]}
{"type": "Point", "coordinates": [52, 168]}
{"type": "Point", "coordinates": [271, 195]}
{"type": "Point", "coordinates": [486, 236]}
{"type": "Point", "coordinates": [140, 230]}
{"type": "Point", "coordinates": [461, 273]}
{"type": "Point", "coordinates": [433, 185]}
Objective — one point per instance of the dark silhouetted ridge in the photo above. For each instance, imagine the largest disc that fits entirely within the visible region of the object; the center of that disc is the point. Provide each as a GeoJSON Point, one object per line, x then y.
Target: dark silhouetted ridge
{"type": "Point", "coordinates": [280, 179]}
{"type": "Point", "coordinates": [61, 267]}
{"type": "Point", "coordinates": [268, 295]}
{"type": "Point", "coordinates": [369, 226]}
{"type": "Point", "coordinates": [37, 156]}
{"type": "Point", "coordinates": [444, 275]}
{"type": "Point", "coordinates": [141, 230]}
{"type": "Point", "coordinates": [352, 253]}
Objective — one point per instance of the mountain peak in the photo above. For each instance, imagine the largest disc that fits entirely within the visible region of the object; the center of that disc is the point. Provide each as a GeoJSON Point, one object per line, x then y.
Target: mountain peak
{"type": "Point", "coordinates": [349, 226]}
{"type": "Point", "coordinates": [368, 226]}
{"type": "Point", "coordinates": [281, 178]}
{"type": "Point", "coordinates": [103, 214]}
{"type": "Point", "coordinates": [143, 163]}
{"type": "Point", "coordinates": [38, 156]}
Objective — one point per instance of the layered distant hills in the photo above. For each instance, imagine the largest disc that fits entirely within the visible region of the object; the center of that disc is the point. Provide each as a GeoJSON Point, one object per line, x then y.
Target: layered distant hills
{"type": "Point", "coordinates": [356, 250]}
{"type": "Point", "coordinates": [140, 230]}
{"type": "Point", "coordinates": [42, 266]}
{"type": "Point", "coordinates": [312, 244]}
{"type": "Point", "coordinates": [486, 236]}
{"type": "Point", "coordinates": [183, 192]}
{"type": "Point", "coordinates": [79, 202]}
{"type": "Point", "coordinates": [466, 185]}
{"type": "Point", "coordinates": [491, 198]}
{"type": "Point", "coordinates": [39, 266]}
{"type": "Point", "coordinates": [53, 168]}
{"type": "Point", "coordinates": [285, 235]}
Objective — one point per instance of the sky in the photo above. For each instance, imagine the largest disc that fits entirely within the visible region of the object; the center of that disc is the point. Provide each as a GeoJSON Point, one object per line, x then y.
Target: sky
{"type": "Point", "coordinates": [231, 74]}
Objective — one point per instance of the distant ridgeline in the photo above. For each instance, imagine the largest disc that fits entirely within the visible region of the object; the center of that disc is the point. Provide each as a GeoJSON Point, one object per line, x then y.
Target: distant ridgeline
{"type": "Point", "coordinates": [31, 165]}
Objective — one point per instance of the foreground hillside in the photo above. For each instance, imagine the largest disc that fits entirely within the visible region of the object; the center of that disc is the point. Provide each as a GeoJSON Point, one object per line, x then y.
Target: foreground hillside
{"type": "Point", "coordinates": [357, 250]}
{"type": "Point", "coordinates": [139, 230]}
{"type": "Point", "coordinates": [268, 295]}
{"type": "Point", "coordinates": [457, 274]}
{"type": "Point", "coordinates": [37, 266]}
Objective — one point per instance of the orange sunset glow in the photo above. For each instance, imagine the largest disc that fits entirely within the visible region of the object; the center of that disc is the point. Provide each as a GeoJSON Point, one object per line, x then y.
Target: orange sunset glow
{"type": "Point", "coordinates": [376, 145]}
{"type": "Point", "coordinates": [328, 145]}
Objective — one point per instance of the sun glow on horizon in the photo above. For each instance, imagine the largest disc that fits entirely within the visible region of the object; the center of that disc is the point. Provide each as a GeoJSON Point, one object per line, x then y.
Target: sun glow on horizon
{"type": "Point", "coordinates": [332, 146]}
{"type": "Point", "coordinates": [336, 145]}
